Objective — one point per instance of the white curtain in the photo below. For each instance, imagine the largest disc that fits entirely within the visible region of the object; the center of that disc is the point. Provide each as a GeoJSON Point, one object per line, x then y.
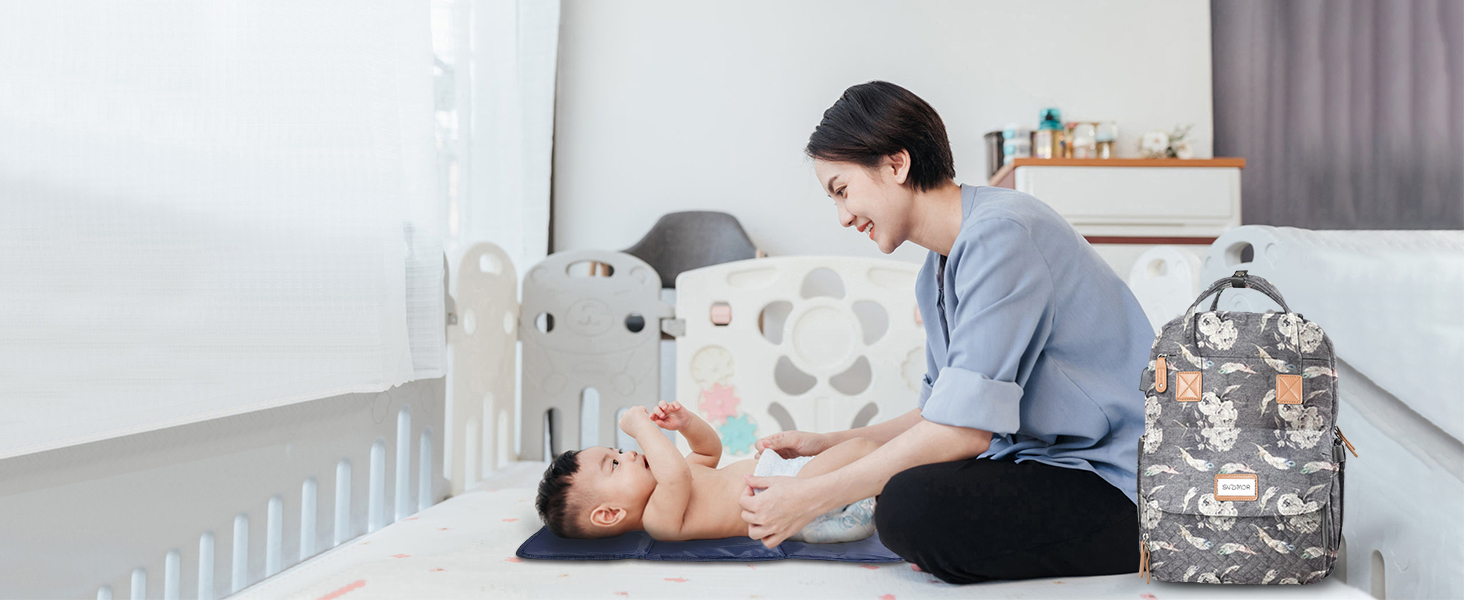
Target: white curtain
{"type": "Point", "coordinates": [211, 207]}
{"type": "Point", "coordinates": [496, 65]}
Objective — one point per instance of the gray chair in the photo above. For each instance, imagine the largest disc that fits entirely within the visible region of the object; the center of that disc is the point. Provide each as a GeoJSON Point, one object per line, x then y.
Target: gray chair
{"type": "Point", "coordinates": [682, 241]}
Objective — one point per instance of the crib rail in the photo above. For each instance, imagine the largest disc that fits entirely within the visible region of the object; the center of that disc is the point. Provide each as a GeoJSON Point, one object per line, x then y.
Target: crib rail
{"type": "Point", "coordinates": [206, 509]}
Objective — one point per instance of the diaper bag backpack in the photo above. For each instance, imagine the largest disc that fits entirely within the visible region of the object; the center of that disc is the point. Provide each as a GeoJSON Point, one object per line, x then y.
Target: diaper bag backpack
{"type": "Point", "coordinates": [1241, 460]}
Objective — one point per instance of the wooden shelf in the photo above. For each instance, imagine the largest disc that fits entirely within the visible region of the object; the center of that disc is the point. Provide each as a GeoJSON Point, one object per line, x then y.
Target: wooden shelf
{"type": "Point", "coordinates": [1005, 176]}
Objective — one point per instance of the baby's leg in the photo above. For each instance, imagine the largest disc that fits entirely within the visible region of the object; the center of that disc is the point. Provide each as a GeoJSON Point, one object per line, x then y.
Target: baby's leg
{"type": "Point", "coordinates": [836, 457]}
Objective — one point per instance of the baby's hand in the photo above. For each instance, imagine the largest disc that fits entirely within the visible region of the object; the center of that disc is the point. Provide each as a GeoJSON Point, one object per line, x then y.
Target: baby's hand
{"type": "Point", "coordinates": [672, 416]}
{"type": "Point", "coordinates": [635, 420]}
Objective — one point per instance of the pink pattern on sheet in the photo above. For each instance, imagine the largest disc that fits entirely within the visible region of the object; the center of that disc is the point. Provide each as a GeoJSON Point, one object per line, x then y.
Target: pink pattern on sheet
{"type": "Point", "coordinates": [513, 559]}
{"type": "Point", "coordinates": [347, 588]}
{"type": "Point", "coordinates": [509, 520]}
{"type": "Point", "coordinates": [870, 567]}
{"type": "Point", "coordinates": [436, 570]}
{"type": "Point", "coordinates": [401, 555]}
{"type": "Point", "coordinates": [887, 597]}
{"type": "Point", "coordinates": [625, 594]}
{"type": "Point", "coordinates": [677, 579]}
{"type": "Point", "coordinates": [1148, 596]}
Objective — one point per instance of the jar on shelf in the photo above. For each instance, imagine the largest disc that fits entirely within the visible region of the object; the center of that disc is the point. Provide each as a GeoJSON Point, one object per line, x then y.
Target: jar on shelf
{"type": "Point", "coordinates": [1050, 137]}
{"type": "Point", "coordinates": [1105, 136]}
{"type": "Point", "coordinates": [1084, 140]}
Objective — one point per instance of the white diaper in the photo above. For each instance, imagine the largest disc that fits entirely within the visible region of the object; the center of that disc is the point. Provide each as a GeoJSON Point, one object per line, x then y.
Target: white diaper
{"type": "Point", "coordinates": [850, 523]}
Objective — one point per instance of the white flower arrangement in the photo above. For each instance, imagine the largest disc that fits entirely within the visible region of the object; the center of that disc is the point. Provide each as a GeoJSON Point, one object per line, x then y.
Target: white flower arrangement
{"type": "Point", "coordinates": [1157, 144]}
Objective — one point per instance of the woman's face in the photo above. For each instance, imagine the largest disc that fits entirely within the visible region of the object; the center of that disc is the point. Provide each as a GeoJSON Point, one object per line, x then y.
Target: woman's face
{"type": "Point", "coordinates": [871, 200]}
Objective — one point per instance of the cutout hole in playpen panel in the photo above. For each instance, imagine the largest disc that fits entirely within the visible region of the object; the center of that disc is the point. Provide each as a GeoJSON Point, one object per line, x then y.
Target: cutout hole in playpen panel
{"type": "Point", "coordinates": [489, 264]}
{"type": "Point", "coordinates": [864, 416]}
{"type": "Point", "coordinates": [508, 322]}
{"type": "Point", "coordinates": [589, 268]}
{"type": "Point", "coordinates": [854, 380]}
{"type": "Point", "coordinates": [1157, 268]}
{"type": "Point", "coordinates": [544, 322]}
{"type": "Point", "coordinates": [772, 320]}
{"type": "Point", "coordinates": [589, 418]}
{"type": "Point", "coordinates": [549, 434]}
{"type": "Point", "coordinates": [783, 417]}
{"type": "Point", "coordinates": [470, 321]}
{"type": "Point", "coordinates": [822, 282]}
{"type": "Point", "coordinates": [635, 323]}
{"type": "Point", "coordinates": [1239, 253]}
{"type": "Point", "coordinates": [874, 321]}
{"type": "Point", "coordinates": [790, 379]}
{"type": "Point", "coordinates": [1377, 577]}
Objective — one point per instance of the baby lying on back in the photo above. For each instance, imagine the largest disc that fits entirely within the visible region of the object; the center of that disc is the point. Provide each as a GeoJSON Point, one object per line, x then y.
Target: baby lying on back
{"type": "Point", "coordinates": [602, 492]}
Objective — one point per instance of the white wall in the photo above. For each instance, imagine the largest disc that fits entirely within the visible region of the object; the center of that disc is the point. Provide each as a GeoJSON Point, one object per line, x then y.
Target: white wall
{"type": "Point", "coordinates": [665, 106]}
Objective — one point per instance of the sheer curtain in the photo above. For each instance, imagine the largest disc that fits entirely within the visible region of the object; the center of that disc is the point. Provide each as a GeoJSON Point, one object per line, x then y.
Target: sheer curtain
{"type": "Point", "coordinates": [496, 63]}
{"type": "Point", "coordinates": [208, 208]}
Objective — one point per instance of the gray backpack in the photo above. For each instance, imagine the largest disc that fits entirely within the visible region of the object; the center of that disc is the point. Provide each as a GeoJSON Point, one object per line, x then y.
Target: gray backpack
{"type": "Point", "coordinates": [1241, 461]}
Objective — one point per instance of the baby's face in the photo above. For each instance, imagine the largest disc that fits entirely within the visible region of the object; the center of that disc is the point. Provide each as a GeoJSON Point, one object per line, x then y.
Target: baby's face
{"type": "Point", "coordinates": [616, 478]}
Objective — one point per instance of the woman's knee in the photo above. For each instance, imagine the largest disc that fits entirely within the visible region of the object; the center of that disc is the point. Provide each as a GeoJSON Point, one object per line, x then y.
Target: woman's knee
{"type": "Point", "coordinates": [906, 507]}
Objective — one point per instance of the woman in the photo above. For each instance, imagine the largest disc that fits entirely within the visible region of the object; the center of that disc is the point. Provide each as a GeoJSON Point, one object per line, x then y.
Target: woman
{"type": "Point", "coordinates": [1020, 461]}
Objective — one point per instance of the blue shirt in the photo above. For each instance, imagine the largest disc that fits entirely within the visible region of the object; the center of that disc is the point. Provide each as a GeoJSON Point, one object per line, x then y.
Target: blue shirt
{"type": "Point", "coordinates": [1037, 340]}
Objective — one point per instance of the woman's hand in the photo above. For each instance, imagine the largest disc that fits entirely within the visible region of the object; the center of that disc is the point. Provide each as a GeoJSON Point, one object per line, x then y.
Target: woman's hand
{"type": "Point", "coordinates": [793, 444]}
{"type": "Point", "coordinates": [784, 507]}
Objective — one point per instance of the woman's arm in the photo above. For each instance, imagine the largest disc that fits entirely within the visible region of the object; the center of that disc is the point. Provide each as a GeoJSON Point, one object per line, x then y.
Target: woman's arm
{"type": "Point", "coordinates": [789, 444]}
{"type": "Point", "coordinates": [879, 432]}
{"type": "Point", "coordinates": [786, 504]}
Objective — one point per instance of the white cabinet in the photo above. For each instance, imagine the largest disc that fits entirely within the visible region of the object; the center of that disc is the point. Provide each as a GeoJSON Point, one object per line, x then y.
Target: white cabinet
{"type": "Point", "coordinates": [1126, 206]}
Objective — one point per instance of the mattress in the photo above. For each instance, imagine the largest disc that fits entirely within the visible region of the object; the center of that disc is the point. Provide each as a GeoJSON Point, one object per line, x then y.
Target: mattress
{"type": "Point", "coordinates": [1391, 301]}
{"type": "Point", "coordinates": [464, 547]}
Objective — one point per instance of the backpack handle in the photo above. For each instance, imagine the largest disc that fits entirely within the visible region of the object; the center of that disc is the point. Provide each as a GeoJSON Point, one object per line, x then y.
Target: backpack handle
{"type": "Point", "coordinates": [1240, 279]}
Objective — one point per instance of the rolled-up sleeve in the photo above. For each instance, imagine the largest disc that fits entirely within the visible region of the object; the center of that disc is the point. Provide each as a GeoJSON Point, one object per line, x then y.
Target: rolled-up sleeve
{"type": "Point", "coordinates": [1000, 298]}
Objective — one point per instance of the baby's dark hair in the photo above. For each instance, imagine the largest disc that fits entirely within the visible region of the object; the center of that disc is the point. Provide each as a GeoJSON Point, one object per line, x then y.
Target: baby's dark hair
{"type": "Point", "coordinates": [559, 514]}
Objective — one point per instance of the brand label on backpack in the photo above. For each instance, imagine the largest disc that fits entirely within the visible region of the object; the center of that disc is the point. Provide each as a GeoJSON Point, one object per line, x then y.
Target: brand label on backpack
{"type": "Point", "coordinates": [1236, 486]}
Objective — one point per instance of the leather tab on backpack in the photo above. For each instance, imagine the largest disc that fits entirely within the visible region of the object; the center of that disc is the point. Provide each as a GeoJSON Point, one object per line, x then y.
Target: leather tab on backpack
{"type": "Point", "coordinates": [1188, 386]}
{"type": "Point", "coordinates": [1288, 389]}
{"type": "Point", "coordinates": [1161, 374]}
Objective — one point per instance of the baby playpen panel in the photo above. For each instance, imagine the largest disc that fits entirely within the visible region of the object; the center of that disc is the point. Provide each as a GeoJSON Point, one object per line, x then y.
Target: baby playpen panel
{"type": "Point", "coordinates": [484, 335]}
{"type": "Point", "coordinates": [591, 321]}
{"type": "Point", "coordinates": [808, 343]}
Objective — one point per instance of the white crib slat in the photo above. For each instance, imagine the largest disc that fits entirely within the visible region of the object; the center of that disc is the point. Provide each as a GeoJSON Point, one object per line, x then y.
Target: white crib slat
{"type": "Point", "coordinates": [104, 592]}
{"type": "Point", "coordinates": [206, 566]}
{"type": "Point", "coordinates": [472, 450]}
{"type": "Point", "coordinates": [403, 464]}
{"type": "Point", "coordinates": [139, 584]}
{"type": "Point", "coordinates": [376, 501]}
{"type": "Point", "coordinates": [240, 557]}
{"type": "Point", "coordinates": [273, 534]}
{"type": "Point", "coordinates": [172, 564]}
{"type": "Point", "coordinates": [343, 502]}
{"type": "Point", "coordinates": [307, 518]}
{"type": "Point", "coordinates": [424, 470]}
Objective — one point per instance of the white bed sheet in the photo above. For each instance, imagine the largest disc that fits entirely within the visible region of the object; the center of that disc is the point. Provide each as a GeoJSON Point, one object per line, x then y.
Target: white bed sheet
{"type": "Point", "coordinates": [464, 548]}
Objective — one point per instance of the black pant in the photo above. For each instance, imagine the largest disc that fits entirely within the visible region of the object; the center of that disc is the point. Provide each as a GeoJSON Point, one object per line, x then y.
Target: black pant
{"type": "Point", "coordinates": [978, 519]}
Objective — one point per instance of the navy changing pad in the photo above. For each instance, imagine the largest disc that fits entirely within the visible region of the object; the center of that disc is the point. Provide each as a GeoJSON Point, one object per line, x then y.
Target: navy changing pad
{"type": "Point", "coordinates": [544, 545]}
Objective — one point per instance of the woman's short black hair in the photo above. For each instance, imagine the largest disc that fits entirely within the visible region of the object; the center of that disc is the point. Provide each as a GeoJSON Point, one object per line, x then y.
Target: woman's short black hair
{"type": "Point", "coordinates": [876, 119]}
{"type": "Point", "coordinates": [559, 513]}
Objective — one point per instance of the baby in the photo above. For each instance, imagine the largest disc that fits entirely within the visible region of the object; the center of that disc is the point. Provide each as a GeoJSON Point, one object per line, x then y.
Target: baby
{"type": "Point", "coordinates": [601, 492]}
